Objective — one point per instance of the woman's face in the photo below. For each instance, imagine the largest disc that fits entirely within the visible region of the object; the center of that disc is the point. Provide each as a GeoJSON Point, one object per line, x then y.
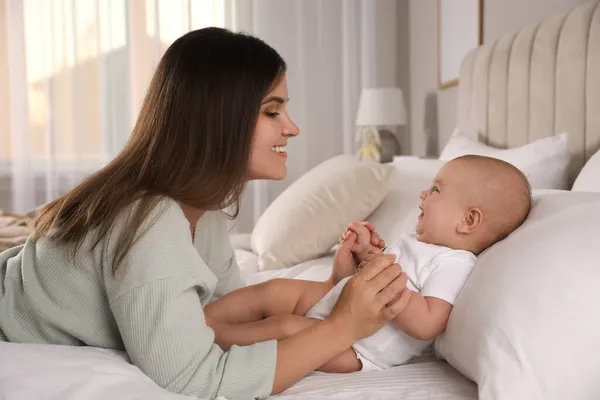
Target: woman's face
{"type": "Point", "coordinates": [273, 129]}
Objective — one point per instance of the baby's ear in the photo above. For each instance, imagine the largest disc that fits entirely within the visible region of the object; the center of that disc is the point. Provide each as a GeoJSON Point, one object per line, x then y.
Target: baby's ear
{"type": "Point", "coordinates": [471, 221]}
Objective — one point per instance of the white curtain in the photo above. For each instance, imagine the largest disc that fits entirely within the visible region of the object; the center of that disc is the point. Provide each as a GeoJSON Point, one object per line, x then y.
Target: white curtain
{"type": "Point", "coordinates": [77, 71]}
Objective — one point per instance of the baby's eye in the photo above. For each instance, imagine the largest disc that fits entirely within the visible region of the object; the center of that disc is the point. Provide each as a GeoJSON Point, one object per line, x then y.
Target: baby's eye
{"type": "Point", "coordinates": [435, 189]}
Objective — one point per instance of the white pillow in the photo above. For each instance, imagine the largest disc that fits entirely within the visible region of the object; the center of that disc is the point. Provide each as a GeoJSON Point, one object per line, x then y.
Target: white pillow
{"type": "Point", "coordinates": [398, 212]}
{"type": "Point", "coordinates": [545, 162]}
{"type": "Point", "coordinates": [526, 324]}
{"type": "Point", "coordinates": [588, 179]}
{"type": "Point", "coordinates": [308, 218]}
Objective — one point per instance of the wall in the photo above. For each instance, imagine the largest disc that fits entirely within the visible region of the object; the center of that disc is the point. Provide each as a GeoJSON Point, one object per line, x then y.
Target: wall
{"type": "Point", "coordinates": [403, 70]}
{"type": "Point", "coordinates": [433, 111]}
{"type": "Point", "coordinates": [365, 37]}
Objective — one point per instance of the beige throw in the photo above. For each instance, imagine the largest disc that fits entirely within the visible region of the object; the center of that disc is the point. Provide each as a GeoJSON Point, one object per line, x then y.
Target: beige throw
{"type": "Point", "coordinates": [14, 229]}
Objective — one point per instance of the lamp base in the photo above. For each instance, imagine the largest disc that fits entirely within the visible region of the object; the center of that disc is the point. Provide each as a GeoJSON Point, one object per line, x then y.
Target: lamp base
{"type": "Point", "coordinates": [390, 146]}
{"type": "Point", "coordinates": [369, 150]}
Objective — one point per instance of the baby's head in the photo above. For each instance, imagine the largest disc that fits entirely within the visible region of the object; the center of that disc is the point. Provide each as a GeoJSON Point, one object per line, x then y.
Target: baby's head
{"type": "Point", "coordinates": [474, 202]}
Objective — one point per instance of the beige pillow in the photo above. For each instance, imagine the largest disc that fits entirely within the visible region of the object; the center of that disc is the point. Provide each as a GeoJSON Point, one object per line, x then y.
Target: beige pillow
{"type": "Point", "coordinates": [307, 219]}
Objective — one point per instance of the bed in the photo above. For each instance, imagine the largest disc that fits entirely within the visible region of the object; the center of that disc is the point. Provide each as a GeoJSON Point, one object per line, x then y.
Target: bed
{"type": "Point", "coordinates": [515, 93]}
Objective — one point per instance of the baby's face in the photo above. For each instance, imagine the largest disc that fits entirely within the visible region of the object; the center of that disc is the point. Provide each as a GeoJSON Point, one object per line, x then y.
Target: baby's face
{"type": "Point", "coordinates": [443, 206]}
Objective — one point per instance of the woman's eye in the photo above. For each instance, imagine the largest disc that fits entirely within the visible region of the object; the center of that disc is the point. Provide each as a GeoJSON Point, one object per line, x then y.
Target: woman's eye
{"type": "Point", "coordinates": [271, 114]}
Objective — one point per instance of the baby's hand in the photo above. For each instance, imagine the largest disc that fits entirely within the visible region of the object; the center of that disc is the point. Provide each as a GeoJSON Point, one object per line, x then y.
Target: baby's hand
{"type": "Point", "coordinates": [367, 241]}
{"type": "Point", "coordinates": [363, 237]}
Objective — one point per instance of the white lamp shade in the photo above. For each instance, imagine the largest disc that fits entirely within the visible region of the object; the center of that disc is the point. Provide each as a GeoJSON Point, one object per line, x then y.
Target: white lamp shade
{"type": "Point", "coordinates": [381, 106]}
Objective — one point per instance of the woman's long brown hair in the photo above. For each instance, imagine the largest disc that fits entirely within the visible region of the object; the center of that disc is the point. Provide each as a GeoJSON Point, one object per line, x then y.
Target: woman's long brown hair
{"type": "Point", "coordinates": [191, 141]}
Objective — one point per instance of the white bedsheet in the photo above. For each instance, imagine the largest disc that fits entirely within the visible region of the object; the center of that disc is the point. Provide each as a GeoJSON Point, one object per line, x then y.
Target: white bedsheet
{"type": "Point", "coordinates": [33, 372]}
{"type": "Point", "coordinates": [433, 380]}
{"type": "Point", "coordinates": [426, 378]}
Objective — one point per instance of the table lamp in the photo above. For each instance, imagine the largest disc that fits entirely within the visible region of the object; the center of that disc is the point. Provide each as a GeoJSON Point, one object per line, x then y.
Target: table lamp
{"type": "Point", "coordinates": [379, 107]}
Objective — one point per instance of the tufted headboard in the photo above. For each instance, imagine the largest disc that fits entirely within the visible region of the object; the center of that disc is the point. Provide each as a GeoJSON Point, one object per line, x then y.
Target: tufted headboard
{"type": "Point", "coordinates": [537, 82]}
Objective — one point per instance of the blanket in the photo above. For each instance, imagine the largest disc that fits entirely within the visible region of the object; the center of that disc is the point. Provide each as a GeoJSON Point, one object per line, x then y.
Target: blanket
{"type": "Point", "coordinates": [14, 229]}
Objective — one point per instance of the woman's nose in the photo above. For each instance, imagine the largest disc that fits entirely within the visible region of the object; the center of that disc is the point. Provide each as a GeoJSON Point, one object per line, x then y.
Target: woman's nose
{"type": "Point", "coordinates": [291, 129]}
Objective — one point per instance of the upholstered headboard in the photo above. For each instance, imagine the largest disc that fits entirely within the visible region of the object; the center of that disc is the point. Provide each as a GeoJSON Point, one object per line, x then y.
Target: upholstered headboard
{"type": "Point", "coordinates": [537, 82]}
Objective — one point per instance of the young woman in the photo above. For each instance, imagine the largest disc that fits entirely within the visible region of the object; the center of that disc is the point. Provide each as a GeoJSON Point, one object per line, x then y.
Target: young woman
{"type": "Point", "coordinates": [128, 259]}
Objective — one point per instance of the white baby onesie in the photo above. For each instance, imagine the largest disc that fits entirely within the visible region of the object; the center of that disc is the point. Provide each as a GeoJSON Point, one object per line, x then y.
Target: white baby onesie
{"type": "Point", "coordinates": [433, 271]}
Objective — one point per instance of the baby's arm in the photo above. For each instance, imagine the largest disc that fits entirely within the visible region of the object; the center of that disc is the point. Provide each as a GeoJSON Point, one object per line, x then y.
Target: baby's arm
{"type": "Point", "coordinates": [367, 241]}
{"type": "Point", "coordinates": [424, 318]}
{"type": "Point", "coordinates": [427, 312]}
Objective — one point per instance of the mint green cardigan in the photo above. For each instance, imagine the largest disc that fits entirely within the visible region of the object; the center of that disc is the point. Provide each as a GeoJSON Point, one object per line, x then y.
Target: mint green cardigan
{"type": "Point", "coordinates": [152, 308]}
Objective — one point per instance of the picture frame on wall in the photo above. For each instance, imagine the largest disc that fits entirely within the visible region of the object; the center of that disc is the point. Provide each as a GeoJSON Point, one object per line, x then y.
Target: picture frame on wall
{"type": "Point", "coordinates": [459, 29]}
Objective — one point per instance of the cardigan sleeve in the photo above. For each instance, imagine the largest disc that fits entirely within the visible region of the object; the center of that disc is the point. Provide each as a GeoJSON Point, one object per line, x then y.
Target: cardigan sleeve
{"type": "Point", "coordinates": [158, 308]}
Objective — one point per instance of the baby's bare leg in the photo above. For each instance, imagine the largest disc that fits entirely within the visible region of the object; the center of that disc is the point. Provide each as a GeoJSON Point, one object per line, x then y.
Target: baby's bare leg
{"type": "Point", "coordinates": [268, 299]}
{"type": "Point", "coordinates": [344, 363]}
{"type": "Point", "coordinates": [289, 325]}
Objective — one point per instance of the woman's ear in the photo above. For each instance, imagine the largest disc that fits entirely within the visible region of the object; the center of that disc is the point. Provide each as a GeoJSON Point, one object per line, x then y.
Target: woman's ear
{"type": "Point", "coordinates": [471, 221]}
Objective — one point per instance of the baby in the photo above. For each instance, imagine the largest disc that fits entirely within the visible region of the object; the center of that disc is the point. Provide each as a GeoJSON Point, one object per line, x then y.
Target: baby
{"type": "Point", "coordinates": [473, 203]}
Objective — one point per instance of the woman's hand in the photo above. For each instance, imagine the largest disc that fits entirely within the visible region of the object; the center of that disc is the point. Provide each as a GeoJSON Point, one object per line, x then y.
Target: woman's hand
{"type": "Point", "coordinates": [372, 297]}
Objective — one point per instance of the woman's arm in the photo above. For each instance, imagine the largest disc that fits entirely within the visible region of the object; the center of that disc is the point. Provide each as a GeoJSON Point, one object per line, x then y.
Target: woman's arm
{"type": "Point", "coordinates": [228, 274]}
{"type": "Point", "coordinates": [371, 298]}
{"type": "Point", "coordinates": [165, 335]}
{"type": "Point", "coordinates": [308, 350]}
{"type": "Point", "coordinates": [345, 362]}
{"type": "Point", "coordinates": [279, 328]}
{"type": "Point", "coordinates": [157, 299]}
